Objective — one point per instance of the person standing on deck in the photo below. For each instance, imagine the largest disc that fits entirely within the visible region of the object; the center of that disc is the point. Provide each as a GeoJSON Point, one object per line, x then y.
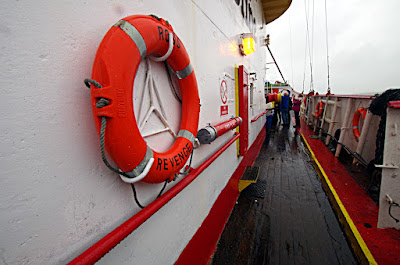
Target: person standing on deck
{"type": "Point", "coordinates": [277, 112]}
{"type": "Point", "coordinates": [284, 106]}
{"type": "Point", "coordinates": [296, 110]}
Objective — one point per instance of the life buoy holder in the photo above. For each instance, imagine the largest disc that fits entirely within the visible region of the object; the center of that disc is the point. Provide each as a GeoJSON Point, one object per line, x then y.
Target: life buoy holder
{"type": "Point", "coordinates": [319, 108]}
{"type": "Point", "coordinates": [117, 60]}
{"type": "Point", "coordinates": [360, 112]}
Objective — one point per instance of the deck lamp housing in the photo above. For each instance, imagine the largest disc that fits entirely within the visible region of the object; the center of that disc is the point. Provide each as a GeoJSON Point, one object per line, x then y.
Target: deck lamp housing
{"type": "Point", "coordinates": [246, 45]}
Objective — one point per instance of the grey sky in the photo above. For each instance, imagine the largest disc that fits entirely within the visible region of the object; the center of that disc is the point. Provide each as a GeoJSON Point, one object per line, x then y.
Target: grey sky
{"type": "Point", "coordinates": [364, 45]}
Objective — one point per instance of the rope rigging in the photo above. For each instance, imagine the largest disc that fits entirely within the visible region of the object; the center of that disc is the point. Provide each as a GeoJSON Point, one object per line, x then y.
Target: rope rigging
{"type": "Point", "coordinates": [276, 63]}
{"type": "Point", "coordinates": [291, 49]}
{"type": "Point", "coordinates": [310, 44]}
{"type": "Point", "coordinates": [327, 47]}
{"type": "Point", "coordinates": [305, 63]}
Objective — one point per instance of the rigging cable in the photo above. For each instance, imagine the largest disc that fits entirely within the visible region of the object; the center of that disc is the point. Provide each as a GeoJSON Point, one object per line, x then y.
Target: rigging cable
{"type": "Point", "coordinates": [327, 50]}
{"type": "Point", "coordinates": [276, 63]}
{"type": "Point", "coordinates": [309, 46]}
{"type": "Point", "coordinates": [305, 63]}
{"type": "Point", "coordinates": [312, 36]}
{"type": "Point", "coordinates": [291, 49]}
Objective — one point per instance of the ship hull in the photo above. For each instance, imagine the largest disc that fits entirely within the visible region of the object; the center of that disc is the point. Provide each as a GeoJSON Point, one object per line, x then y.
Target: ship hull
{"type": "Point", "coordinates": [58, 198]}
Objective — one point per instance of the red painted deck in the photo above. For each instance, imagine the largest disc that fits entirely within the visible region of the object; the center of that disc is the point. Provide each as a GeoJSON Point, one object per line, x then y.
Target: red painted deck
{"type": "Point", "coordinates": [384, 244]}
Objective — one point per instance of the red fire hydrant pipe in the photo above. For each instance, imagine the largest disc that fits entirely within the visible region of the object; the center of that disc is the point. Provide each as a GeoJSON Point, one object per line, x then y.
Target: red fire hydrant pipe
{"type": "Point", "coordinates": [224, 127]}
{"type": "Point", "coordinates": [211, 132]}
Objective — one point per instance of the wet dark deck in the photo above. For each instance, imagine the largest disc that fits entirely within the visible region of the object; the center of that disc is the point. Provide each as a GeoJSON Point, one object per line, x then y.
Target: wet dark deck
{"type": "Point", "coordinates": [294, 223]}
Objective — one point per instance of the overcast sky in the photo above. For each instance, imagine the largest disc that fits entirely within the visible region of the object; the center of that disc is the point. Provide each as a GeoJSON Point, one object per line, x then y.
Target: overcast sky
{"type": "Point", "coordinates": [363, 41]}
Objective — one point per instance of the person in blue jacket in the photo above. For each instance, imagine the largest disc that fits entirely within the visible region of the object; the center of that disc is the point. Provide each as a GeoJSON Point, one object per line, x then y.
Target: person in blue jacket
{"type": "Point", "coordinates": [285, 107]}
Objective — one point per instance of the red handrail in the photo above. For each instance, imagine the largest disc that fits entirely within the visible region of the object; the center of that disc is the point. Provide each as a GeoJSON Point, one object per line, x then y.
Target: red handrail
{"type": "Point", "coordinates": [262, 114]}
{"type": "Point", "coordinates": [108, 242]}
{"type": "Point", "coordinates": [394, 104]}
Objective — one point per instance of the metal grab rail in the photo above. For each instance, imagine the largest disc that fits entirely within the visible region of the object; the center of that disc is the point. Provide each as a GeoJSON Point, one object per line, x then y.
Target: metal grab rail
{"type": "Point", "coordinates": [108, 242]}
{"type": "Point", "coordinates": [260, 115]}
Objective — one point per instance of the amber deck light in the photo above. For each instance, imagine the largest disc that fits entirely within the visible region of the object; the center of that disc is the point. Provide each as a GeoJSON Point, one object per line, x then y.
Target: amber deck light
{"type": "Point", "coordinates": [247, 43]}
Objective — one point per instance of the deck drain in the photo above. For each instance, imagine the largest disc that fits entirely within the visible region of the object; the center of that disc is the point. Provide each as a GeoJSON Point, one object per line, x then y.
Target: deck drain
{"type": "Point", "coordinates": [256, 189]}
{"type": "Point", "coordinates": [367, 225]}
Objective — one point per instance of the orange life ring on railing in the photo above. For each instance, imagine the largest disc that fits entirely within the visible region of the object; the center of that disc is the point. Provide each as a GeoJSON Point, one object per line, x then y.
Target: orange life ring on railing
{"type": "Point", "coordinates": [360, 112]}
{"type": "Point", "coordinates": [115, 66]}
{"type": "Point", "coordinates": [318, 109]}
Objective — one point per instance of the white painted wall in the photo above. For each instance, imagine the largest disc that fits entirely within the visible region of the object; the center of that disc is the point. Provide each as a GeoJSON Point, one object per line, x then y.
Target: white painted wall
{"type": "Point", "coordinates": [368, 152]}
{"type": "Point", "coordinates": [56, 196]}
{"type": "Point", "coordinates": [390, 184]}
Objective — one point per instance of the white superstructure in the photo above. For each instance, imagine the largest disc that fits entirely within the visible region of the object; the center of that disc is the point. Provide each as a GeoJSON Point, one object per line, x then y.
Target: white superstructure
{"type": "Point", "coordinates": [56, 196]}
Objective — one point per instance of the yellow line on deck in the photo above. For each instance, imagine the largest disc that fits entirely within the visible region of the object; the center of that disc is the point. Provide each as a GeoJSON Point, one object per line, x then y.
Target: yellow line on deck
{"type": "Point", "coordinates": [237, 105]}
{"type": "Point", "coordinates": [355, 236]}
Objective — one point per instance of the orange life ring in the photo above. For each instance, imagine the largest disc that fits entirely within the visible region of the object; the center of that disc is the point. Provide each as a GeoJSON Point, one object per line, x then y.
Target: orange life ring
{"type": "Point", "coordinates": [115, 66]}
{"type": "Point", "coordinates": [318, 109]}
{"type": "Point", "coordinates": [360, 112]}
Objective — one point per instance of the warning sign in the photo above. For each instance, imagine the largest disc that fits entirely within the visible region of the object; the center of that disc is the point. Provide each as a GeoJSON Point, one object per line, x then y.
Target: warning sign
{"type": "Point", "coordinates": [224, 91]}
{"type": "Point", "coordinates": [224, 110]}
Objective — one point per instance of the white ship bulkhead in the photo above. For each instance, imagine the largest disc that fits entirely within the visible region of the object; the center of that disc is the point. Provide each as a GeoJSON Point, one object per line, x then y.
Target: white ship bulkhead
{"type": "Point", "coordinates": [57, 196]}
